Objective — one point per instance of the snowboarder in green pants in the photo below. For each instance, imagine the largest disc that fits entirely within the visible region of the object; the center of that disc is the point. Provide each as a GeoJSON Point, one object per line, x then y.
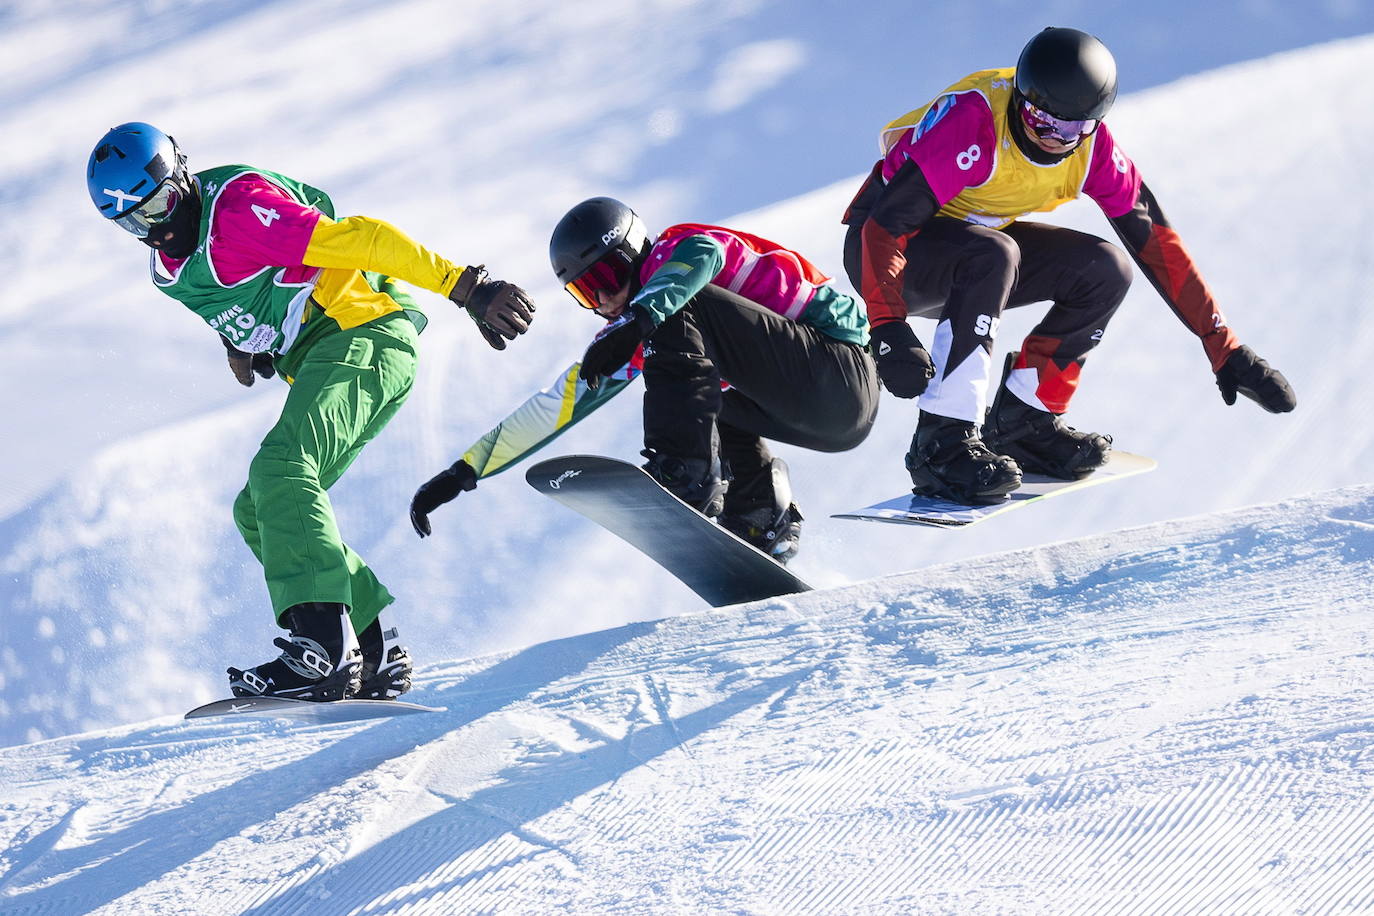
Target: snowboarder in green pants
{"type": "Point", "coordinates": [292, 290]}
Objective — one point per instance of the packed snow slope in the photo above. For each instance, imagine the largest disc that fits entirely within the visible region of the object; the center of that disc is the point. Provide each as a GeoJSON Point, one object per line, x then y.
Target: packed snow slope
{"type": "Point", "coordinates": [124, 589]}
{"type": "Point", "coordinates": [1167, 719]}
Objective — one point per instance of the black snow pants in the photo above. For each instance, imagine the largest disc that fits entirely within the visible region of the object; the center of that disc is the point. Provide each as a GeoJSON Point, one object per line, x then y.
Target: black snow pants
{"type": "Point", "coordinates": [964, 275]}
{"type": "Point", "coordinates": [788, 382]}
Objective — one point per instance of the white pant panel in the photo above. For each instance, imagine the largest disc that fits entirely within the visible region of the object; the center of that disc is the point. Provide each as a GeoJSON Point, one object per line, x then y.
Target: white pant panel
{"type": "Point", "coordinates": [958, 391]}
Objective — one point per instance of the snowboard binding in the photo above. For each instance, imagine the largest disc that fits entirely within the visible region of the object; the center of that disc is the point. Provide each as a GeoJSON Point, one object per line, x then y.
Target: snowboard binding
{"type": "Point", "coordinates": [775, 529]}
{"type": "Point", "coordinates": [320, 662]}
{"type": "Point", "coordinates": [1038, 440]}
{"type": "Point", "coordinates": [948, 460]}
{"type": "Point", "coordinates": [386, 667]}
{"type": "Point", "coordinates": [698, 482]}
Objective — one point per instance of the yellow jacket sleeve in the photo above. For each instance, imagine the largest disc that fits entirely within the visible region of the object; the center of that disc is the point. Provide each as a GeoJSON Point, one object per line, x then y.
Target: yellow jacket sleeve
{"type": "Point", "coordinates": [363, 243]}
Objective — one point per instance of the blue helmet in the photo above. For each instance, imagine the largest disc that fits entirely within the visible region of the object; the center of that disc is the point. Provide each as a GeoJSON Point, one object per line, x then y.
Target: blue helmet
{"type": "Point", "coordinates": [136, 176]}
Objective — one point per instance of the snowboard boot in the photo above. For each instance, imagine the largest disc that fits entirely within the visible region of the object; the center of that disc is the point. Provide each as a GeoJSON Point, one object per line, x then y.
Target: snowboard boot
{"type": "Point", "coordinates": [696, 481]}
{"type": "Point", "coordinates": [1039, 440]}
{"type": "Point", "coordinates": [774, 527]}
{"type": "Point", "coordinates": [777, 534]}
{"type": "Point", "coordinates": [386, 664]}
{"type": "Point", "coordinates": [320, 661]}
{"type": "Point", "coordinates": [948, 460]}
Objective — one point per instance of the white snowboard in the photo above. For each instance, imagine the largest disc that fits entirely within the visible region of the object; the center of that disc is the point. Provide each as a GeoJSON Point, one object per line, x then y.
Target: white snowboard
{"type": "Point", "coordinates": [939, 513]}
{"type": "Point", "coordinates": [335, 711]}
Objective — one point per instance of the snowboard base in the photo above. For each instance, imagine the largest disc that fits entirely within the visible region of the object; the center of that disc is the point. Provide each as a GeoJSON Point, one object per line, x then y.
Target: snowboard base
{"type": "Point", "coordinates": [630, 504]}
{"type": "Point", "coordinates": [940, 513]}
{"type": "Point", "coordinates": [335, 711]}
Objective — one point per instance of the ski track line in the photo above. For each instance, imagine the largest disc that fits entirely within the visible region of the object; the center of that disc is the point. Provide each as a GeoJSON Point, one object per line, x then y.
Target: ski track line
{"type": "Point", "coordinates": [1231, 817]}
{"type": "Point", "coordinates": [1266, 820]}
{"type": "Point", "coordinates": [456, 886]}
{"type": "Point", "coordinates": [813, 893]}
{"type": "Point", "coordinates": [1158, 845]}
{"type": "Point", "coordinates": [276, 897]}
{"type": "Point", "coordinates": [796, 891]}
{"type": "Point", "coordinates": [1200, 881]}
{"type": "Point", "coordinates": [658, 696]}
{"type": "Point", "coordinates": [865, 773]}
{"type": "Point", "coordinates": [804, 788]}
{"type": "Point", "coordinates": [1165, 835]}
{"type": "Point", "coordinates": [1356, 832]}
{"type": "Point", "coordinates": [1166, 872]}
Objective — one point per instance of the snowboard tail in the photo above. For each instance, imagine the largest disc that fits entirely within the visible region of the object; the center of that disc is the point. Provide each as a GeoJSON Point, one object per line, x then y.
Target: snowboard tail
{"type": "Point", "coordinates": [940, 513]}
{"type": "Point", "coordinates": [623, 499]}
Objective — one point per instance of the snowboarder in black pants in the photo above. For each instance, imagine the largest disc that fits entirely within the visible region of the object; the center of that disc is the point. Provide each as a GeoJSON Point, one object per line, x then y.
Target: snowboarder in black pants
{"type": "Point", "coordinates": [738, 339]}
{"type": "Point", "coordinates": [936, 231]}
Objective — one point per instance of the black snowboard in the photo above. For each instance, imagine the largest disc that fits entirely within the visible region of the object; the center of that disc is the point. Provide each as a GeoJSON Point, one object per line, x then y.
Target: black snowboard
{"type": "Point", "coordinates": [630, 504]}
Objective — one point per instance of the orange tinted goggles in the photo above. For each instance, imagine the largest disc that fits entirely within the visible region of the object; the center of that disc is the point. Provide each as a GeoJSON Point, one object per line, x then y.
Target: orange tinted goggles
{"type": "Point", "coordinates": [606, 276]}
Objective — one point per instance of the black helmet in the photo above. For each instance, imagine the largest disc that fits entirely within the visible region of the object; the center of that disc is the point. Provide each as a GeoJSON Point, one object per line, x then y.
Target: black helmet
{"type": "Point", "coordinates": [600, 233]}
{"type": "Point", "coordinates": [1068, 73]}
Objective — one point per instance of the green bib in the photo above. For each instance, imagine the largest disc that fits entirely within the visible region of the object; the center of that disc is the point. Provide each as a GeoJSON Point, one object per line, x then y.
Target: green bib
{"type": "Point", "coordinates": [260, 313]}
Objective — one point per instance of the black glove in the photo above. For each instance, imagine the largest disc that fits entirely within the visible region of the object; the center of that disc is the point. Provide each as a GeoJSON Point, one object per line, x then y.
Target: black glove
{"type": "Point", "coordinates": [903, 364]}
{"type": "Point", "coordinates": [1245, 373]}
{"type": "Point", "coordinates": [615, 345]}
{"type": "Point", "coordinates": [501, 309]}
{"type": "Point", "coordinates": [243, 365]}
{"type": "Point", "coordinates": [438, 490]}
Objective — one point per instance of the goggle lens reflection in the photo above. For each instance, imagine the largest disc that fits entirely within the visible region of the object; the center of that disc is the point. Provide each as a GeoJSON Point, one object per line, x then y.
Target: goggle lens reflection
{"type": "Point", "coordinates": [153, 210]}
{"type": "Point", "coordinates": [1047, 127]}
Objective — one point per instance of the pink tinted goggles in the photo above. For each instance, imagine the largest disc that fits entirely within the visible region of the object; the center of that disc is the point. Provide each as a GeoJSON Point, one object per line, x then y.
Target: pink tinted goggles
{"type": "Point", "coordinates": [1047, 127]}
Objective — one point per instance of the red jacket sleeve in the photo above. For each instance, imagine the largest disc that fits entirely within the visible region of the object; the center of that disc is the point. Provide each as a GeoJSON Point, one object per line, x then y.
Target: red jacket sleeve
{"type": "Point", "coordinates": [1160, 254]}
{"type": "Point", "coordinates": [904, 205]}
{"type": "Point", "coordinates": [1114, 182]}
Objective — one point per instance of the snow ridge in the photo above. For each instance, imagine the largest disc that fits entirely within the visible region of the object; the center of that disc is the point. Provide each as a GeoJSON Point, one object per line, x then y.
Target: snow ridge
{"type": "Point", "coordinates": [1166, 719]}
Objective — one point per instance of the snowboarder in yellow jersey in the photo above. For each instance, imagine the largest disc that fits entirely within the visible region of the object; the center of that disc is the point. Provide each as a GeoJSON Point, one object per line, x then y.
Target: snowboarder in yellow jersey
{"type": "Point", "coordinates": [291, 290]}
{"type": "Point", "coordinates": [938, 231]}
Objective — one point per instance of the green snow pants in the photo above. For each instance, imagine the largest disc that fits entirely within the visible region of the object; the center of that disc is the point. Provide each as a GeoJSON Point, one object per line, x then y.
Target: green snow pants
{"type": "Point", "coordinates": [347, 386]}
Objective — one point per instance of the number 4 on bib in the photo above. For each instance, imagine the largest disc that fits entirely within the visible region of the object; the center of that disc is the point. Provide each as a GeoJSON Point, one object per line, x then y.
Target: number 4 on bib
{"type": "Point", "coordinates": [266, 215]}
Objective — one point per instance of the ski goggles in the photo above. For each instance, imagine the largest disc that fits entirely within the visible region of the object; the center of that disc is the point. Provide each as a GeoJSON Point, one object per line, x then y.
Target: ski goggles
{"type": "Point", "coordinates": [605, 276]}
{"type": "Point", "coordinates": [154, 209]}
{"type": "Point", "coordinates": [1047, 127]}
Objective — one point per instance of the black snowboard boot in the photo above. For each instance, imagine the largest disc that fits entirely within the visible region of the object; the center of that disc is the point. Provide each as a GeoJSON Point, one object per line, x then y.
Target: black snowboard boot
{"type": "Point", "coordinates": [386, 663]}
{"type": "Point", "coordinates": [319, 662]}
{"type": "Point", "coordinates": [696, 481]}
{"type": "Point", "coordinates": [1039, 440]}
{"type": "Point", "coordinates": [949, 461]}
{"type": "Point", "coordinates": [775, 527]}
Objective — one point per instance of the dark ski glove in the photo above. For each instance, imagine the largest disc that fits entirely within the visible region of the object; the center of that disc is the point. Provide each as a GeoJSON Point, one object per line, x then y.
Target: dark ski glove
{"type": "Point", "coordinates": [501, 309]}
{"type": "Point", "coordinates": [1245, 373]}
{"type": "Point", "coordinates": [615, 345]}
{"type": "Point", "coordinates": [439, 489]}
{"type": "Point", "coordinates": [904, 365]}
{"type": "Point", "coordinates": [243, 365]}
